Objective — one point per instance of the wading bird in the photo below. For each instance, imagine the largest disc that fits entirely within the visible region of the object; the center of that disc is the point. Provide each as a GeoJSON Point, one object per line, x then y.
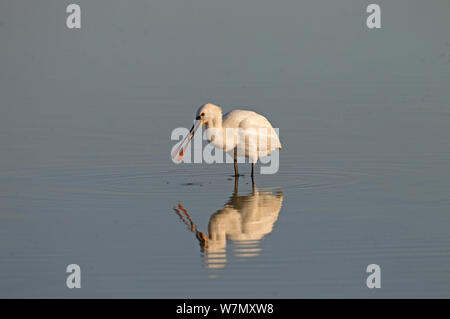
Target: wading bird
{"type": "Point", "coordinates": [239, 133]}
{"type": "Point", "coordinates": [244, 221]}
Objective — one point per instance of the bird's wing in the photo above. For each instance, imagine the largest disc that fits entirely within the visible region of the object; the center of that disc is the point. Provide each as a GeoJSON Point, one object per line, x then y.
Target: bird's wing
{"type": "Point", "coordinates": [259, 125]}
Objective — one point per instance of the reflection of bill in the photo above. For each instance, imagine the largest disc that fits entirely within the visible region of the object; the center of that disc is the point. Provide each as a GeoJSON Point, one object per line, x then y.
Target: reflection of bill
{"type": "Point", "coordinates": [244, 220]}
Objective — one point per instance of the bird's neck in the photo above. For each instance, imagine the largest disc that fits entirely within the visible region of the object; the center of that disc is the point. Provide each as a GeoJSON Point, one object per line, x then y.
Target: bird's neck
{"type": "Point", "coordinates": [215, 123]}
{"type": "Point", "coordinates": [215, 130]}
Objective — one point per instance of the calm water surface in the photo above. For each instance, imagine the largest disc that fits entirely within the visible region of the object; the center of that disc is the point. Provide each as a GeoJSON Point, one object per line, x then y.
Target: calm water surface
{"type": "Point", "coordinates": [86, 175]}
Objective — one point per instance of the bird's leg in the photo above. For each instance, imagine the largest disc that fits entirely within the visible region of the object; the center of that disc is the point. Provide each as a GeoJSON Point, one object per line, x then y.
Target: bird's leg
{"type": "Point", "coordinates": [253, 185]}
{"type": "Point", "coordinates": [236, 172]}
{"type": "Point", "coordinates": [253, 177]}
{"type": "Point", "coordinates": [253, 170]}
{"type": "Point", "coordinates": [236, 187]}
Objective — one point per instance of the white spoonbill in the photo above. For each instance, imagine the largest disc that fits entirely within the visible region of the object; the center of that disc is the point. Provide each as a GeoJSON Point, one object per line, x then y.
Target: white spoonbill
{"type": "Point", "coordinates": [239, 133]}
{"type": "Point", "coordinates": [244, 220]}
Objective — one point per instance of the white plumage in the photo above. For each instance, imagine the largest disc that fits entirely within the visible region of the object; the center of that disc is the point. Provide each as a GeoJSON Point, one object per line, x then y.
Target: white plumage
{"type": "Point", "coordinates": [239, 132]}
{"type": "Point", "coordinates": [244, 220]}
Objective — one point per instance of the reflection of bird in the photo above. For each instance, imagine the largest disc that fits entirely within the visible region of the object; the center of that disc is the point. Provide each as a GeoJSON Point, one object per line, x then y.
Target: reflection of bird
{"type": "Point", "coordinates": [244, 220]}
{"type": "Point", "coordinates": [253, 135]}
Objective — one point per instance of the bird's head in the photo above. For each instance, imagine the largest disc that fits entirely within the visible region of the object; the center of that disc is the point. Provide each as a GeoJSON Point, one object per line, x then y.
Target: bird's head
{"type": "Point", "coordinates": [208, 114]}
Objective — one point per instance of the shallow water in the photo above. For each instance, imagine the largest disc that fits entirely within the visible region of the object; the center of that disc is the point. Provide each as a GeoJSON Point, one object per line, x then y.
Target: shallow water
{"type": "Point", "coordinates": [86, 175]}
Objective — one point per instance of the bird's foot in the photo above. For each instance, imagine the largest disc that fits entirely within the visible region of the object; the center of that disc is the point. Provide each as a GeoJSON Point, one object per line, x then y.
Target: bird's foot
{"type": "Point", "coordinates": [237, 175]}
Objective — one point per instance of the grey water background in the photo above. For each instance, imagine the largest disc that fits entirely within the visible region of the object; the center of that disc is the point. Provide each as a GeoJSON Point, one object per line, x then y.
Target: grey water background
{"type": "Point", "coordinates": [86, 175]}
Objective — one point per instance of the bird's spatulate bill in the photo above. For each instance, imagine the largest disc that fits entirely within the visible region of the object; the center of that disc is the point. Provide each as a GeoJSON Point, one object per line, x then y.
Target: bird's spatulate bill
{"type": "Point", "coordinates": [181, 149]}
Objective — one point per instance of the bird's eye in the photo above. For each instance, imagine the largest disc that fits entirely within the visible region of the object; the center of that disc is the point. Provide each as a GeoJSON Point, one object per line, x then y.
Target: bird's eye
{"type": "Point", "coordinates": [203, 114]}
